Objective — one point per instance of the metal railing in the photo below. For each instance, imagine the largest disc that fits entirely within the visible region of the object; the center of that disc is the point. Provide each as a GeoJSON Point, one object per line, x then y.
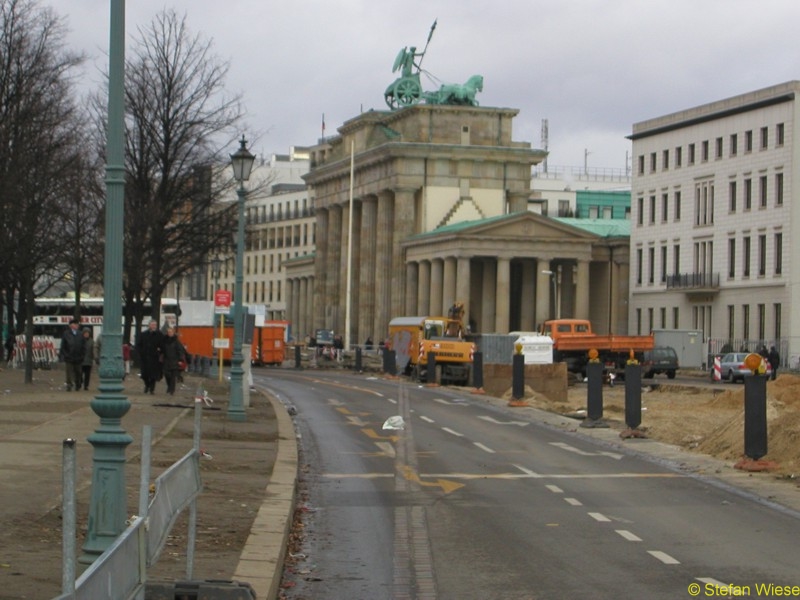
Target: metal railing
{"type": "Point", "coordinates": [693, 281]}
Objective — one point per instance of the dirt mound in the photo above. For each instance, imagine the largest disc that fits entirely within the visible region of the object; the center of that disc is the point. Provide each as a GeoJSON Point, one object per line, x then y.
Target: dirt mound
{"type": "Point", "coordinates": [706, 420]}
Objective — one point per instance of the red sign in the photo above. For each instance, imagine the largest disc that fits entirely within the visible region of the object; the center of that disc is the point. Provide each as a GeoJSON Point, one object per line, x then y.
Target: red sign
{"type": "Point", "coordinates": [223, 298]}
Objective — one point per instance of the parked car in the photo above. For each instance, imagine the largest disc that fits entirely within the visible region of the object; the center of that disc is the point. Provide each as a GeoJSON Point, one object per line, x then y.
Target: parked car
{"type": "Point", "coordinates": [733, 369]}
{"type": "Point", "coordinates": [661, 359]}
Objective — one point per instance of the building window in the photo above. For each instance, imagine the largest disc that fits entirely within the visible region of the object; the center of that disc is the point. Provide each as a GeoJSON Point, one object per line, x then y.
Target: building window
{"type": "Point", "coordinates": [676, 259]}
{"type": "Point", "coordinates": [748, 194]}
{"type": "Point", "coordinates": [608, 213]}
{"type": "Point", "coordinates": [665, 159]}
{"type": "Point", "coordinates": [718, 152]}
{"type": "Point", "coordinates": [650, 319]}
{"type": "Point", "coordinates": [704, 151]}
{"type": "Point", "coordinates": [778, 253]}
{"type": "Point", "coordinates": [779, 135]}
{"type": "Point", "coordinates": [748, 141]}
{"type": "Point", "coordinates": [563, 208]}
{"type": "Point", "coordinates": [764, 137]}
{"type": "Point", "coordinates": [652, 209]}
{"type": "Point", "coordinates": [732, 196]}
{"type": "Point", "coordinates": [779, 189]}
{"type": "Point", "coordinates": [677, 206]}
{"type": "Point", "coordinates": [638, 321]}
{"type": "Point", "coordinates": [734, 144]}
{"type": "Point", "coordinates": [593, 212]}
{"type": "Point", "coordinates": [731, 258]}
{"type": "Point", "coordinates": [762, 191]}
{"type": "Point", "coordinates": [746, 321]}
{"type": "Point", "coordinates": [652, 162]}
{"type": "Point", "coordinates": [678, 156]}
{"type": "Point", "coordinates": [640, 215]}
{"type": "Point", "coordinates": [746, 257]}
{"type": "Point", "coordinates": [639, 266]}
{"type": "Point", "coordinates": [664, 207]}
{"type": "Point", "coordinates": [704, 203]}
{"type": "Point", "coordinates": [731, 321]}
{"type": "Point", "coordinates": [762, 320]}
{"type": "Point", "coordinates": [776, 309]}
{"type": "Point", "coordinates": [651, 265]}
{"type": "Point", "coordinates": [691, 154]}
{"type": "Point", "coordinates": [641, 165]}
{"type": "Point", "coordinates": [663, 265]}
{"type": "Point", "coordinates": [663, 311]}
{"type": "Point", "coordinates": [762, 255]}
{"type": "Point", "coordinates": [675, 315]}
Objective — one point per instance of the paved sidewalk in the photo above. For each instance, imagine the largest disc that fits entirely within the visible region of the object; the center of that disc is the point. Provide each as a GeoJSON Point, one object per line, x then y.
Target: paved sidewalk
{"type": "Point", "coordinates": [35, 419]}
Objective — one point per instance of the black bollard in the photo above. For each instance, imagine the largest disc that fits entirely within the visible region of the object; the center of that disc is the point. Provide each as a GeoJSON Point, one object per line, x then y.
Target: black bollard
{"type": "Point", "coordinates": [594, 396]}
{"type": "Point", "coordinates": [755, 416]}
{"type": "Point", "coordinates": [518, 376]}
{"type": "Point", "coordinates": [358, 359]}
{"type": "Point", "coordinates": [431, 374]}
{"type": "Point", "coordinates": [633, 395]}
{"type": "Point", "coordinates": [297, 360]}
{"type": "Point", "coordinates": [477, 370]}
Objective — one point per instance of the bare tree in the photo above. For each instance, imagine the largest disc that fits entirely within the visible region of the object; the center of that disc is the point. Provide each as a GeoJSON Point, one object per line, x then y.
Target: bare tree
{"type": "Point", "coordinates": [38, 129]}
{"type": "Point", "coordinates": [179, 119]}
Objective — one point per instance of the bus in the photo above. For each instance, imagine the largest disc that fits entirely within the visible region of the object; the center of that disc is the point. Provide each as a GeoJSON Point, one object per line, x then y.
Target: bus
{"type": "Point", "coordinates": [51, 316]}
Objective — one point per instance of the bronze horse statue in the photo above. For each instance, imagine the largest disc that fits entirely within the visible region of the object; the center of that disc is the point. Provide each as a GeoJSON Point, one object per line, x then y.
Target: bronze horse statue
{"type": "Point", "coordinates": [460, 94]}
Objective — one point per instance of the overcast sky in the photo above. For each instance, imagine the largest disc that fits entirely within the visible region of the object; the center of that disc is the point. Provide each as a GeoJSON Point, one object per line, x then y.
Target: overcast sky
{"type": "Point", "coordinates": [592, 68]}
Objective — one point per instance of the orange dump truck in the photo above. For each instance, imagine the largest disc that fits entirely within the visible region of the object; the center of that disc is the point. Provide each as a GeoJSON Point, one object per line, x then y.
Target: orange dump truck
{"type": "Point", "coordinates": [573, 338]}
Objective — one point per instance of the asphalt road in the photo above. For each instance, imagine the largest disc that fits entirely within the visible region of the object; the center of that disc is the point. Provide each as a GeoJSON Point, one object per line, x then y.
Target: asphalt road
{"type": "Point", "coordinates": [470, 500]}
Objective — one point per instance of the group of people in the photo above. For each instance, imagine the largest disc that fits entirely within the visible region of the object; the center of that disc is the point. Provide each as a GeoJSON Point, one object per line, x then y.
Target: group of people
{"type": "Point", "coordinates": [161, 355]}
{"type": "Point", "coordinates": [772, 357]}
{"type": "Point", "coordinates": [78, 353]}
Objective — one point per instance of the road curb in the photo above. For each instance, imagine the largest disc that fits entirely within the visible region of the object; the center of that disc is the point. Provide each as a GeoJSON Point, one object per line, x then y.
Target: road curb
{"type": "Point", "coordinates": [261, 560]}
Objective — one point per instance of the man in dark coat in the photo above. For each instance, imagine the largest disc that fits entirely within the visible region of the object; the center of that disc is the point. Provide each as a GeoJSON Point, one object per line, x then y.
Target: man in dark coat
{"type": "Point", "coordinates": [774, 361]}
{"type": "Point", "coordinates": [173, 353]}
{"type": "Point", "coordinates": [149, 347]}
{"type": "Point", "coordinates": [72, 353]}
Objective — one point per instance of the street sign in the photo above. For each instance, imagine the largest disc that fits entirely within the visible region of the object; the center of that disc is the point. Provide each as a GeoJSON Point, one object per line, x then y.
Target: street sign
{"type": "Point", "coordinates": [223, 343]}
{"type": "Point", "coordinates": [222, 302]}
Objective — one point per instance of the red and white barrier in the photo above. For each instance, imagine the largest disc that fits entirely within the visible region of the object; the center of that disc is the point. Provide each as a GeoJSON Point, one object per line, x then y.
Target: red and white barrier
{"type": "Point", "coordinates": [717, 369]}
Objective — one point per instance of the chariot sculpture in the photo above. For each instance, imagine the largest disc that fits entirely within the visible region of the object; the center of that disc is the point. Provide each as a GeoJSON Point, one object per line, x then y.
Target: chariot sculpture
{"type": "Point", "coordinates": [406, 90]}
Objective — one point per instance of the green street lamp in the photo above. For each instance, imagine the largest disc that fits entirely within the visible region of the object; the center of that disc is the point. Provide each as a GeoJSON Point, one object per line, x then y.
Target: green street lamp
{"type": "Point", "coordinates": [242, 162]}
{"type": "Point", "coordinates": [108, 504]}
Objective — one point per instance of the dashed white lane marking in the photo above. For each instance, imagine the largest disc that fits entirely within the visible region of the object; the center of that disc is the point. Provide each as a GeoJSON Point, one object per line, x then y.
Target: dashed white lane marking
{"type": "Point", "coordinates": [450, 431]}
{"type": "Point", "coordinates": [484, 448]}
{"type": "Point", "coordinates": [663, 557]}
{"type": "Point", "coordinates": [568, 448]}
{"type": "Point", "coordinates": [599, 517]}
{"type": "Point", "coordinates": [712, 581]}
{"type": "Point", "coordinates": [496, 422]}
{"type": "Point", "coordinates": [573, 501]}
{"type": "Point", "coordinates": [555, 489]}
{"type": "Point", "coordinates": [427, 419]}
{"type": "Point", "coordinates": [629, 536]}
{"type": "Point", "coordinates": [392, 400]}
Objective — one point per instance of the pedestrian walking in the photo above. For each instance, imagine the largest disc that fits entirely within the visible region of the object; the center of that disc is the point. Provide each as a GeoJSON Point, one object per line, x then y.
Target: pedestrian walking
{"type": "Point", "coordinates": [71, 352]}
{"type": "Point", "coordinates": [173, 358]}
{"type": "Point", "coordinates": [149, 347]}
{"type": "Point", "coordinates": [126, 358]}
{"type": "Point", "coordinates": [88, 358]}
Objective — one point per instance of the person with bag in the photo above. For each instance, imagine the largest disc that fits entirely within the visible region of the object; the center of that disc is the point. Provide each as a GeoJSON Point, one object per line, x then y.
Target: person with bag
{"type": "Point", "coordinates": [173, 358]}
{"type": "Point", "coordinates": [149, 348]}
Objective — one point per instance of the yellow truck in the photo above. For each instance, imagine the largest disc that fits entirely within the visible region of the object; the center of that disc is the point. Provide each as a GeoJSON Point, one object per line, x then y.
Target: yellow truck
{"type": "Point", "coordinates": [414, 338]}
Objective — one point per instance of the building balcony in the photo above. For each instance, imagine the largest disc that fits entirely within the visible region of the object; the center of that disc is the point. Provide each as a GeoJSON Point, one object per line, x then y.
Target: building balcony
{"type": "Point", "coordinates": [694, 282]}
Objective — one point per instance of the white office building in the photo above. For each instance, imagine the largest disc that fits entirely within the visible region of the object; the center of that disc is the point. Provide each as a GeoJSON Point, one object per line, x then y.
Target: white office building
{"type": "Point", "coordinates": [715, 222]}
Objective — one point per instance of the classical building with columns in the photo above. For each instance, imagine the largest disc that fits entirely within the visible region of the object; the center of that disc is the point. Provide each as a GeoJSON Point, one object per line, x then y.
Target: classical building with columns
{"type": "Point", "coordinates": [428, 205]}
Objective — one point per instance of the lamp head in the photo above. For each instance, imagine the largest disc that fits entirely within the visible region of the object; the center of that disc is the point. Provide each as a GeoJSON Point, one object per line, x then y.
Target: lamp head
{"type": "Point", "coordinates": [242, 161]}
